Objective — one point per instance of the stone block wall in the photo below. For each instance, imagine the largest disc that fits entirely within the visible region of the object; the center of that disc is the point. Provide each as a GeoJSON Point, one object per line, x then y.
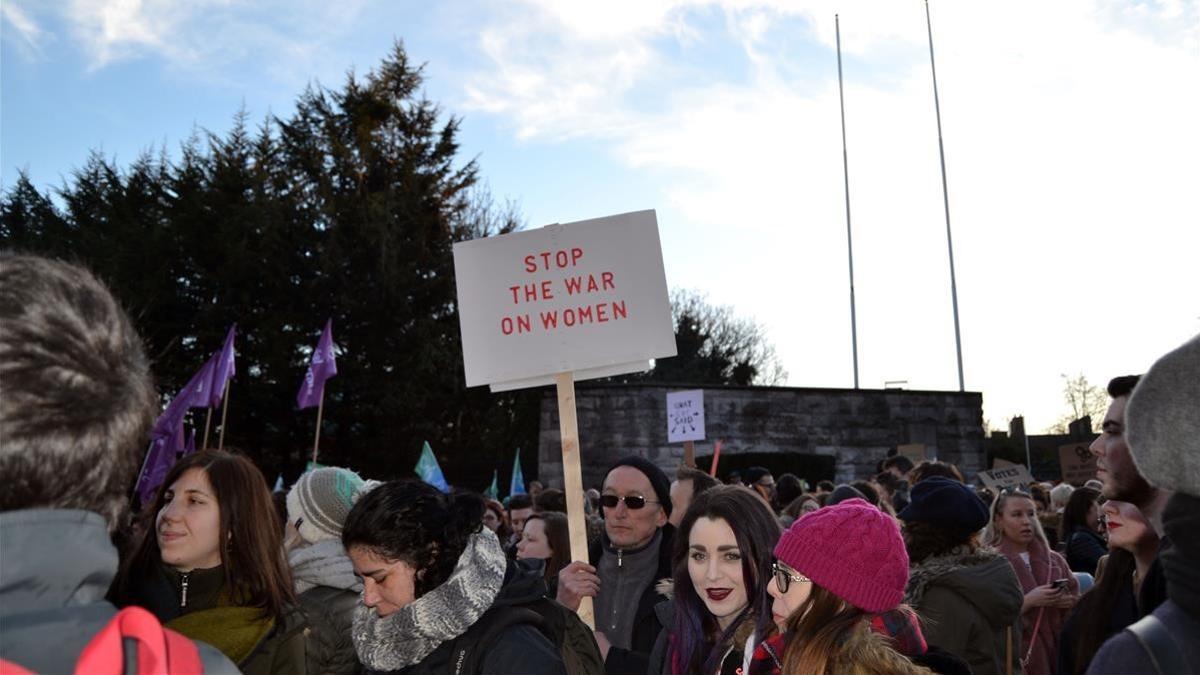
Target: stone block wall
{"type": "Point", "coordinates": [857, 427]}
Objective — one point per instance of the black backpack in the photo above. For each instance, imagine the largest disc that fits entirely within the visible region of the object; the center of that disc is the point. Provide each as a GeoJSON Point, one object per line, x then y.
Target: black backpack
{"type": "Point", "coordinates": [565, 630]}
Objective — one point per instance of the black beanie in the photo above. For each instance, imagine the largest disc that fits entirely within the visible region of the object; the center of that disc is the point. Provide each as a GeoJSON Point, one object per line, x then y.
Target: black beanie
{"type": "Point", "coordinates": [843, 492]}
{"type": "Point", "coordinates": [658, 479]}
{"type": "Point", "coordinates": [945, 503]}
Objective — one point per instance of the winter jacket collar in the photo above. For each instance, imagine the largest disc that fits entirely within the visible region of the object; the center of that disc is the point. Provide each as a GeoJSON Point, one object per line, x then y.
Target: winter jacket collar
{"type": "Point", "coordinates": [982, 577]}
{"type": "Point", "coordinates": [324, 563]}
{"type": "Point", "coordinates": [54, 558]}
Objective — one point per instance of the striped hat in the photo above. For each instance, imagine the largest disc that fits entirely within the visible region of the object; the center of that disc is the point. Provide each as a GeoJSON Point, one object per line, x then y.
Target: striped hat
{"type": "Point", "coordinates": [320, 501]}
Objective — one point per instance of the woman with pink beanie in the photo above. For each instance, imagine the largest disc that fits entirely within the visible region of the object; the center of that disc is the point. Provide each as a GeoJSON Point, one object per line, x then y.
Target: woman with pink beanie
{"type": "Point", "coordinates": [839, 577]}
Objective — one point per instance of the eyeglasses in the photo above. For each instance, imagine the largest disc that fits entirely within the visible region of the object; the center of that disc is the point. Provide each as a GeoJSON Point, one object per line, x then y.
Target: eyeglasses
{"type": "Point", "coordinates": [632, 502]}
{"type": "Point", "coordinates": [1015, 490]}
{"type": "Point", "coordinates": [784, 578]}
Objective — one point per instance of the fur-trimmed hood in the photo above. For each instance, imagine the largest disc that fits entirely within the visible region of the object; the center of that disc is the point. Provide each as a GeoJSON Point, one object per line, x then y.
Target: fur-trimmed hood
{"type": "Point", "coordinates": [982, 578]}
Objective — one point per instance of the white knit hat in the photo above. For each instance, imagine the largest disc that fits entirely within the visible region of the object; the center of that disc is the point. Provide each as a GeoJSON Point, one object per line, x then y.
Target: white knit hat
{"type": "Point", "coordinates": [321, 500]}
{"type": "Point", "coordinates": [1162, 421]}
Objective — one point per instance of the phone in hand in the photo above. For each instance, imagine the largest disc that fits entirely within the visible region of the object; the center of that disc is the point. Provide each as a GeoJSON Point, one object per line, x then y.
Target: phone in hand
{"type": "Point", "coordinates": [1059, 584]}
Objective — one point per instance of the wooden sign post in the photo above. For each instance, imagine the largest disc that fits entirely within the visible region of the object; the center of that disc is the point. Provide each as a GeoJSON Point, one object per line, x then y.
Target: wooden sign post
{"type": "Point", "coordinates": [560, 304]}
{"type": "Point", "coordinates": [568, 429]}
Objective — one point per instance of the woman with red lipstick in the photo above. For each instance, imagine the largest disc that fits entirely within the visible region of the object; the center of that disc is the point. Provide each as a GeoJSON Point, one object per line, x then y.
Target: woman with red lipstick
{"type": "Point", "coordinates": [1111, 604]}
{"type": "Point", "coordinates": [721, 563]}
{"type": "Point", "coordinates": [212, 566]}
{"type": "Point", "coordinates": [1050, 588]}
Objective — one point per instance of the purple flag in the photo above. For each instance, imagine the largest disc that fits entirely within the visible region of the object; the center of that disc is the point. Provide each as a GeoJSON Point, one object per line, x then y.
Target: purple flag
{"type": "Point", "coordinates": [322, 368]}
{"type": "Point", "coordinates": [166, 437]}
{"type": "Point", "coordinates": [223, 370]}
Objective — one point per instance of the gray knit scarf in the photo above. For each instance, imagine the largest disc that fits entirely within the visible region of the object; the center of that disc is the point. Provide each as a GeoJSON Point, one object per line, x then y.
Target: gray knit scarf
{"type": "Point", "coordinates": [415, 630]}
{"type": "Point", "coordinates": [324, 563]}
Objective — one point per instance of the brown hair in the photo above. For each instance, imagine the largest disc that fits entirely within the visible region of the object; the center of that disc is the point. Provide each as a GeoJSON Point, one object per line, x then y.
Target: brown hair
{"type": "Point", "coordinates": [925, 540]}
{"type": "Point", "coordinates": [256, 573]}
{"type": "Point", "coordinates": [558, 536]}
{"type": "Point", "coordinates": [816, 632]}
{"type": "Point", "coordinates": [930, 468]}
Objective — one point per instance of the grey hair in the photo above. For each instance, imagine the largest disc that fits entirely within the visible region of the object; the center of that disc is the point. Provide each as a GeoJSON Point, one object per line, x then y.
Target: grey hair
{"type": "Point", "coordinates": [77, 394]}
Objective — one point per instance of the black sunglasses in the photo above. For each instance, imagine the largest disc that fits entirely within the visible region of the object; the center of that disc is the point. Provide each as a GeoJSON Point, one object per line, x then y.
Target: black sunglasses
{"type": "Point", "coordinates": [784, 578]}
{"type": "Point", "coordinates": [633, 502]}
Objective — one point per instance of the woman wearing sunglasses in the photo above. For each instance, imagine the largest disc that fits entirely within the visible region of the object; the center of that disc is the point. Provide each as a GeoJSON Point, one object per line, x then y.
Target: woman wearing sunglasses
{"type": "Point", "coordinates": [721, 563]}
{"type": "Point", "coordinates": [1049, 587]}
{"type": "Point", "coordinates": [838, 579]}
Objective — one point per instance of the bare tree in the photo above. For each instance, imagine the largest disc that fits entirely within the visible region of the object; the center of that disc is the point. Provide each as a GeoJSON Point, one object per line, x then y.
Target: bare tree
{"type": "Point", "coordinates": [1084, 399]}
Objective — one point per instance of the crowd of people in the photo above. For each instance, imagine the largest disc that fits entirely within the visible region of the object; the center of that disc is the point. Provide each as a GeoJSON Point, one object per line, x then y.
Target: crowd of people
{"type": "Point", "coordinates": [912, 571]}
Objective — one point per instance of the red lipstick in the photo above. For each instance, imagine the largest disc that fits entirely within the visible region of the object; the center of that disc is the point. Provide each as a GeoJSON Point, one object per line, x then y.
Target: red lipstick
{"type": "Point", "coordinates": [718, 594]}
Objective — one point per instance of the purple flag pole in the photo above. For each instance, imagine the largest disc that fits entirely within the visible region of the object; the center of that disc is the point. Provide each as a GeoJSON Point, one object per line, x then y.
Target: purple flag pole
{"type": "Point", "coordinates": [224, 412]}
{"type": "Point", "coordinates": [222, 372]}
{"type": "Point", "coordinates": [322, 367]}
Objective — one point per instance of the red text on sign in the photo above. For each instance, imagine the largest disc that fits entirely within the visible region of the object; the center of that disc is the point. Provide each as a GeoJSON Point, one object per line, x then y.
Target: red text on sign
{"type": "Point", "coordinates": [547, 260]}
{"type": "Point", "coordinates": [576, 285]}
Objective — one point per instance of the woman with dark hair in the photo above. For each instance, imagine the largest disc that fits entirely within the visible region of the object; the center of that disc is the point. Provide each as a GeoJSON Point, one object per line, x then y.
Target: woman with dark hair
{"type": "Point", "coordinates": [932, 467]}
{"type": "Point", "coordinates": [547, 538]}
{"type": "Point", "coordinates": [721, 564]}
{"type": "Point", "coordinates": [836, 590]}
{"type": "Point", "coordinates": [495, 518]}
{"type": "Point", "coordinates": [212, 566]}
{"type": "Point", "coordinates": [430, 572]}
{"type": "Point", "coordinates": [967, 595]}
{"type": "Point", "coordinates": [1081, 525]}
{"type": "Point", "coordinates": [1049, 587]}
{"type": "Point", "coordinates": [1111, 604]}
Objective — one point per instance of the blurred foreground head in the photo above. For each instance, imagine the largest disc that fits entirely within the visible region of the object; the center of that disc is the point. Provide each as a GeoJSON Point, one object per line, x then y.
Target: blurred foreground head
{"type": "Point", "coordinates": [77, 395]}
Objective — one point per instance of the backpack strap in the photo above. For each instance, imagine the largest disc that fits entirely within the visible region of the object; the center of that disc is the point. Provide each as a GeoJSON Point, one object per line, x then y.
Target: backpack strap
{"type": "Point", "coordinates": [152, 649]}
{"type": "Point", "coordinates": [466, 657]}
{"type": "Point", "coordinates": [1156, 639]}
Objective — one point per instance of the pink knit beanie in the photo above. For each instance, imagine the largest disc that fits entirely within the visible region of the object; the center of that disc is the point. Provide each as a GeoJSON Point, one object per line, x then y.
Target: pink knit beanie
{"type": "Point", "coordinates": [852, 550]}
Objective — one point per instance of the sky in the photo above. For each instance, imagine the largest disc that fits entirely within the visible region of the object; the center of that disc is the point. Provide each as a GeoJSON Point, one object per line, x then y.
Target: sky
{"type": "Point", "coordinates": [1069, 127]}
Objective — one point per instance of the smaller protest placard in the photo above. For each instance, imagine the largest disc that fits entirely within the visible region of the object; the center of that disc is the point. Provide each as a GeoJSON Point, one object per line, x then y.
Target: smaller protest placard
{"type": "Point", "coordinates": [1078, 463]}
{"type": "Point", "coordinates": [1008, 476]}
{"type": "Point", "coordinates": [914, 451]}
{"type": "Point", "coordinates": [685, 416]}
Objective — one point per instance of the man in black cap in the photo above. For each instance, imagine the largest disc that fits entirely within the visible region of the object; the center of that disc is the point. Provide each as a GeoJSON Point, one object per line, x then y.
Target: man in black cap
{"type": "Point", "coordinates": [632, 556]}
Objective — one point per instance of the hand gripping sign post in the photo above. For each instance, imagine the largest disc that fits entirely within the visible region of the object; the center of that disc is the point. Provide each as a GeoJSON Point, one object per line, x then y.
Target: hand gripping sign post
{"type": "Point", "coordinates": [559, 304]}
{"type": "Point", "coordinates": [685, 421]}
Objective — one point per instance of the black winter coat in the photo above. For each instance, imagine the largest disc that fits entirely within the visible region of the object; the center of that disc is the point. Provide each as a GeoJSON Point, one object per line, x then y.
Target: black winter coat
{"type": "Point", "coordinates": [329, 649]}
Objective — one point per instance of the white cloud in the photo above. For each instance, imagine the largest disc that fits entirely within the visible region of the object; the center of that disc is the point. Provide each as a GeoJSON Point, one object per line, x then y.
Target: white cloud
{"type": "Point", "coordinates": [1070, 145]}
{"type": "Point", "coordinates": [30, 33]}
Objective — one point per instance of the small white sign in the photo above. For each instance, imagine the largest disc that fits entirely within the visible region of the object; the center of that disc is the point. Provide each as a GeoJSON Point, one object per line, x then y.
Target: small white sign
{"type": "Point", "coordinates": [685, 416]}
{"type": "Point", "coordinates": [588, 297]}
{"type": "Point", "coordinates": [1006, 476]}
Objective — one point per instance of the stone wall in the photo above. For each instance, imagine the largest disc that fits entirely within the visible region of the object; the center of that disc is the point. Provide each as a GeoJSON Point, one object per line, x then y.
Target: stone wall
{"type": "Point", "coordinates": [856, 427]}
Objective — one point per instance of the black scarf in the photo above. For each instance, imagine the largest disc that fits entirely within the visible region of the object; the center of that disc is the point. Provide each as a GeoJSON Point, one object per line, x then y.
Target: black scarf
{"type": "Point", "coordinates": [1181, 562]}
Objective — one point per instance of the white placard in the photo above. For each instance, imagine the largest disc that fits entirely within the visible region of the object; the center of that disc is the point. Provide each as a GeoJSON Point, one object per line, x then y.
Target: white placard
{"type": "Point", "coordinates": [685, 416]}
{"type": "Point", "coordinates": [588, 297]}
{"type": "Point", "coordinates": [1006, 476]}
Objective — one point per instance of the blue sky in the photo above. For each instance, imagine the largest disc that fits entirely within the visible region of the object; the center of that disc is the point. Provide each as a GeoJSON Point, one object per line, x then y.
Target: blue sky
{"type": "Point", "coordinates": [1070, 135]}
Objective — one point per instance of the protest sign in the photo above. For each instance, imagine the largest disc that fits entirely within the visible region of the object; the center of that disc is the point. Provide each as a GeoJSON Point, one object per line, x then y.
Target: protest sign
{"type": "Point", "coordinates": [588, 298]}
{"type": "Point", "coordinates": [559, 304]}
{"type": "Point", "coordinates": [1078, 463]}
{"type": "Point", "coordinates": [914, 451]}
{"type": "Point", "coordinates": [1007, 476]}
{"type": "Point", "coordinates": [685, 416]}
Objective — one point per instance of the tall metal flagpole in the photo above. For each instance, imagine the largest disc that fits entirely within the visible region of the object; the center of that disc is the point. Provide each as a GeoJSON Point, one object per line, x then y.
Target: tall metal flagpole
{"type": "Point", "coordinates": [846, 174]}
{"type": "Point", "coordinates": [946, 201]}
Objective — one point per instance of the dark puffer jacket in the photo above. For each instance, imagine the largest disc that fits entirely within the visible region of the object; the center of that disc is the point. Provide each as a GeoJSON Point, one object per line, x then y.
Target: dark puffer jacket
{"type": "Point", "coordinates": [329, 648]}
{"type": "Point", "coordinates": [967, 604]}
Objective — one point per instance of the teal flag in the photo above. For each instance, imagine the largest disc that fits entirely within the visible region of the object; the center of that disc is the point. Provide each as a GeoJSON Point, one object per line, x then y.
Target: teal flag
{"type": "Point", "coordinates": [517, 487]}
{"type": "Point", "coordinates": [493, 491]}
{"type": "Point", "coordinates": [429, 471]}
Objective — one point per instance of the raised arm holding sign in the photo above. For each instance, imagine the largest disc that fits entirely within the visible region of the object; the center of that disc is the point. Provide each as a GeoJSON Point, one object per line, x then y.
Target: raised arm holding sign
{"type": "Point", "coordinates": [560, 304]}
